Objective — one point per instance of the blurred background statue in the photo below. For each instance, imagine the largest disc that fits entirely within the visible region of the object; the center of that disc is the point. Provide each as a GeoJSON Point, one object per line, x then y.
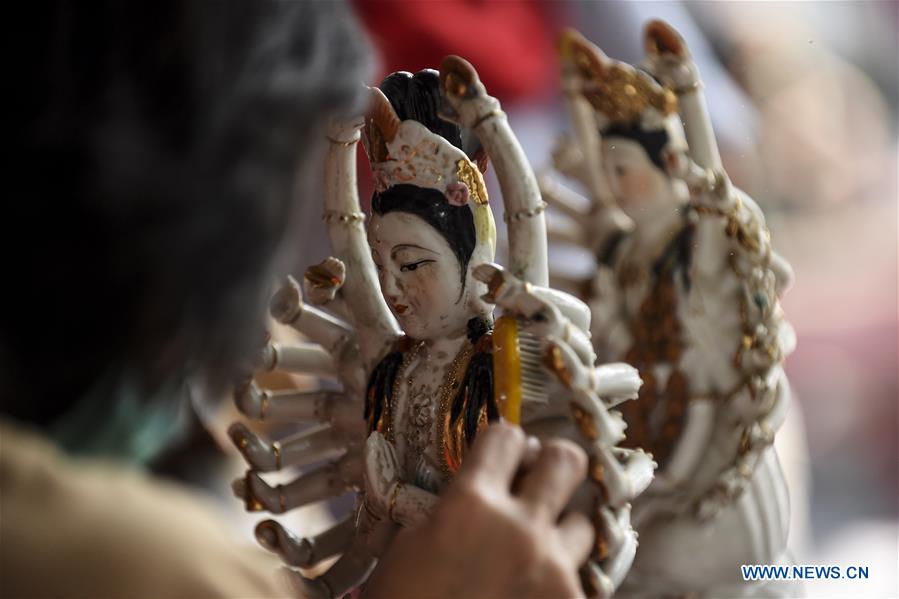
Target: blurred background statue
{"type": "Point", "coordinates": [686, 289]}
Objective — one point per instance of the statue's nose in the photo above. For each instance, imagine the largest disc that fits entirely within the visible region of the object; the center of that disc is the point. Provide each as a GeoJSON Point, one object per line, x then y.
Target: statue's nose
{"type": "Point", "coordinates": [390, 288]}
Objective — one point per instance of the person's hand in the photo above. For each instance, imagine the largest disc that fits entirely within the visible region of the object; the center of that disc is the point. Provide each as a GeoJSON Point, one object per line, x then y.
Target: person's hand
{"type": "Point", "coordinates": [495, 534]}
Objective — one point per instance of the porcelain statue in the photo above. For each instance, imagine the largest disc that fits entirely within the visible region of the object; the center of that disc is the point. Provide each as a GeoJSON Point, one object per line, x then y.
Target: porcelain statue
{"type": "Point", "coordinates": [685, 289]}
{"type": "Point", "coordinates": [403, 318]}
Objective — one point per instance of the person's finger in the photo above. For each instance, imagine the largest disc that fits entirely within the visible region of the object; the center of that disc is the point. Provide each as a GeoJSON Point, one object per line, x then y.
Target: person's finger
{"type": "Point", "coordinates": [495, 456]}
{"type": "Point", "coordinates": [577, 536]}
{"type": "Point", "coordinates": [531, 452]}
{"type": "Point", "coordinates": [559, 469]}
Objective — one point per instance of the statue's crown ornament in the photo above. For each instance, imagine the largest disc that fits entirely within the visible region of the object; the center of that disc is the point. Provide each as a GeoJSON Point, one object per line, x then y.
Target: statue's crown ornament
{"type": "Point", "coordinates": [408, 152]}
{"type": "Point", "coordinates": [622, 94]}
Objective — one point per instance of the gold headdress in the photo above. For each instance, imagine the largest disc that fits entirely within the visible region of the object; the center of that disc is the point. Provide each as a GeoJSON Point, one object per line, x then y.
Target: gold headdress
{"type": "Point", "coordinates": [407, 152]}
{"type": "Point", "coordinates": [616, 90]}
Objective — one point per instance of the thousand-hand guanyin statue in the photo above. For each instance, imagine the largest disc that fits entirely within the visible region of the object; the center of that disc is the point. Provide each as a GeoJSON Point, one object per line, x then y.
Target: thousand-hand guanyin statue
{"type": "Point", "coordinates": [685, 289]}
{"type": "Point", "coordinates": [403, 318]}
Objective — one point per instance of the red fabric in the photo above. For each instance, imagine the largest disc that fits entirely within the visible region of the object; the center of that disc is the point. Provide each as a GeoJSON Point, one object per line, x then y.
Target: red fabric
{"type": "Point", "coordinates": [511, 44]}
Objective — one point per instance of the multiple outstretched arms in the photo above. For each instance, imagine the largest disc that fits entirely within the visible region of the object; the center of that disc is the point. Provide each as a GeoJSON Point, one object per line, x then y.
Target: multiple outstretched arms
{"type": "Point", "coordinates": [375, 325]}
{"type": "Point", "coordinates": [578, 407]}
{"type": "Point", "coordinates": [669, 60]}
{"type": "Point", "coordinates": [346, 348]}
{"type": "Point", "coordinates": [469, 105]}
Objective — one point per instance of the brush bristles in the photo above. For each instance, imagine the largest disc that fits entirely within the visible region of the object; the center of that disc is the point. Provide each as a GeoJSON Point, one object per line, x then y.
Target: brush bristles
{"type": "Point", "coordinates": [533, 376]}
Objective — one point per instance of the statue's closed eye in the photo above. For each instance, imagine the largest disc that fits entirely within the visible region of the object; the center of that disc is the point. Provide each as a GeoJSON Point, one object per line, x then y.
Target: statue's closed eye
{"type": "Point", "coordinates": [410, 266]}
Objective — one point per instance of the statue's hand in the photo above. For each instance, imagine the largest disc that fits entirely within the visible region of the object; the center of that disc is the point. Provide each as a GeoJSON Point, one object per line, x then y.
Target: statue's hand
{"type": "Point", "coordinates": [335, 439]}
{"type": "Point", "coordinates": [345, 130]}
{"type": "Point", "coordinates": [668, 58]}
{"type": "Point", "coordinates": [386, 496]}
{"type": "Point", "coordinates": [322, 281]}
{"type": "Point", "coordinates": [466, 101]}
{"type": "Point", "coordinates": [381, 474]}
{"type": "Point", "coordinates": [544, 312]}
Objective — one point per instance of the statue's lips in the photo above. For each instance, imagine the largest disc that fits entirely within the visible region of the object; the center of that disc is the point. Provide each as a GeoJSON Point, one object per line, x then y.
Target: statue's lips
{"type": "Point", "coordinates": [399, 308]}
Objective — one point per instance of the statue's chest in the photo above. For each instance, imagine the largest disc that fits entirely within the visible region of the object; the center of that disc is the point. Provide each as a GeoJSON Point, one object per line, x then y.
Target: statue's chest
{"type": "Point", "coordinates": [654, 322]}
{"type": "Point", "coordinates": [656, 419]}
{"type": "Point", "coordinates": [416, 415]}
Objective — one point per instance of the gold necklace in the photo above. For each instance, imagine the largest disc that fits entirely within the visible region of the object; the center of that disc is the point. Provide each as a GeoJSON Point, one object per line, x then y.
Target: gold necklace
{"type": "Point", "coordinates": [395, 392]}
{"type": "Point", "coordinates": [450, 442]}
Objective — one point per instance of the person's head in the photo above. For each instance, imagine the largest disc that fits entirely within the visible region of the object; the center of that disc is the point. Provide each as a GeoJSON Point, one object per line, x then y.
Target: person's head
{"type": "Point", "coordinates": [428, 228]}
{"type": "Point", "coordinates": [160, 146]}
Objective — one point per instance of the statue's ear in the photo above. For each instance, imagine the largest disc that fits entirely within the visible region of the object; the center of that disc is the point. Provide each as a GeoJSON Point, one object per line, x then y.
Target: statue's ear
{"type": "Point", "coordinates": [661, 38]}
{"type": "Point", "coordinates": [381, 125]}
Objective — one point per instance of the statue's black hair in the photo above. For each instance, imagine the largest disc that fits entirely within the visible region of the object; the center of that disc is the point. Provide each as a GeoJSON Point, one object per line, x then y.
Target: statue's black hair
{"type": "Point", "coordinates": [651, 141]}
{"type": "Point", "coordinates": [454, 223]}
{"type": "Point", "coordinates": [477, 386]}
{"type": "Point", "coordinates": [475, 393]}
{"type": "Point", "coordinates": [417, 97]}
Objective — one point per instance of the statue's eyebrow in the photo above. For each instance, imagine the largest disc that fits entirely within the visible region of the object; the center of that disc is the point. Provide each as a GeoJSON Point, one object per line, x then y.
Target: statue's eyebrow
{"type": "Point", "coordinates": [404, 246]}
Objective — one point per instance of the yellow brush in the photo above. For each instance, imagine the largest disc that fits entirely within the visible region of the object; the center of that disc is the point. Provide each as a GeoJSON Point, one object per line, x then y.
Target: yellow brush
{"type": "Point", "coordinates": [517, 374]}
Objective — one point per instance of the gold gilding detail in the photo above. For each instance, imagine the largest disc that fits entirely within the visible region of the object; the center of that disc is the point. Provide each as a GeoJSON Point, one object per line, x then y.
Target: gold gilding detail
{"type": "Point", "coordinates": [250, 501]}
{"type": "Point", "coordinates": [469, 174]}
{"type": "Point", "coordinates": [451, 439]}
{"type": "Point", "coordinates": [601, 547]}
{"type": "Point", "coordinates": [552, 359]}
{"type": "Point", "coordinates": [494, 286]}
{"type": "Point", "coordinates": [613, 88]}
{"type": "Point", "coordinates": [584, 422]}
{"type": "Point", "coordinates": [381, 124]}
{"type": "Point", "coordinates": [276, 451]}
{"type": "Point", "coordinates": [375, 143]}
{"type": "Point", "coordinates": [393, 498]}
{"type": "Point", "coordinates": [320, 277]}
{"type": "Point", "coordinates": [597, 471]}
{"type": "Point", "coordinates": [385, 422]}
{"type": "Point", "coordinates": [622, 93]}
{"type": "Point", "coordinates": [455, 85]}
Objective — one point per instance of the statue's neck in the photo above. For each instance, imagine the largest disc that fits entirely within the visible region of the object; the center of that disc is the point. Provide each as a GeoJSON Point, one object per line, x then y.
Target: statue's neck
{"type": "Point", "coordinates": [443, 348]}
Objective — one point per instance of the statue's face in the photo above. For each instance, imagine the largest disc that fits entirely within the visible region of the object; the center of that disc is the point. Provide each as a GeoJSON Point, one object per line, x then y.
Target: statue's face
{"type": "Point", "coordinates": [420, 276]}
{"type": "Point", "coordinates": [640, 187]}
